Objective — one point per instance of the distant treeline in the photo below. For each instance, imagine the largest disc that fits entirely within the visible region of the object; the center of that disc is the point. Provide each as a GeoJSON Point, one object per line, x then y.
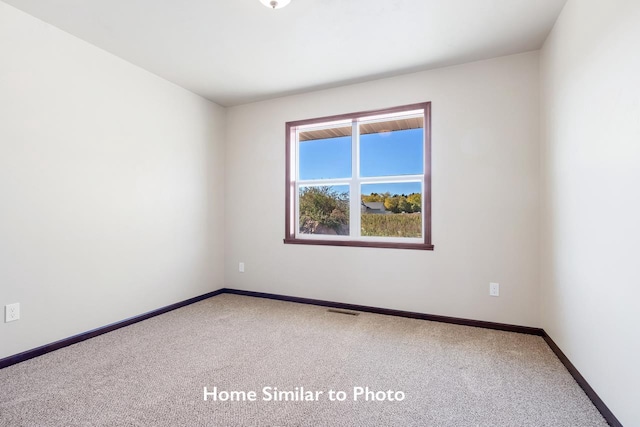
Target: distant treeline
{"type": "Point", "coordinates": [397, 203]}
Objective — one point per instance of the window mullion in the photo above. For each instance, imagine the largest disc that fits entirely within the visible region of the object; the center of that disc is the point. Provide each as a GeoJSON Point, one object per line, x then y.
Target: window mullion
{"type": "Point", "coordinates": [332, 181]}
{"type": "Point", "coordinates": [296, 209]}
{"type": "Point", "coordinates": [354, 187]}
{"type": "Point", "coordinates": [391, 178]}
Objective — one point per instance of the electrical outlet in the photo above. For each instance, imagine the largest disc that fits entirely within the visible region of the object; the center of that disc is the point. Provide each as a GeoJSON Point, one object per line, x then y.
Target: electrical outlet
{"type": "Point", "coordinates": [241, 267]}
{"type": "Point", "coordinates": [11, 312]}
{"type": "Point", "coordinates": [494, 289]}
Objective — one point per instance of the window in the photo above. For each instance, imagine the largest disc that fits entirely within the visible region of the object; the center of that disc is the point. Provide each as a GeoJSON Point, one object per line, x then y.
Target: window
{"type": "Point", "coordinates": [361, 179]}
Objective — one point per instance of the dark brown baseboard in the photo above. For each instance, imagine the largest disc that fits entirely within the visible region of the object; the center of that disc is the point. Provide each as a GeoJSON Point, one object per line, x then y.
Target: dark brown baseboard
{"type": "Point", "coordinates": [590, 392]}
{"type": "Point", "coordinates": [599, 404]}
{"type": "Point", "coordinates": [39, 351]}
{"type": "Point", "coordinates": [390, 312]}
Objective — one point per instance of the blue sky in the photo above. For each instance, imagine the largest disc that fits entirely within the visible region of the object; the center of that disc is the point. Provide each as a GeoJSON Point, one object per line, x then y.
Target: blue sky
{"type": "Point", "coordinates": [392, 153]}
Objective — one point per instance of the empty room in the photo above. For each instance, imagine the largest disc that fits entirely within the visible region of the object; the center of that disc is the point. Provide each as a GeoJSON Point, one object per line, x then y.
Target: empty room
{"type": "Point", "coordinates": [319, 213]}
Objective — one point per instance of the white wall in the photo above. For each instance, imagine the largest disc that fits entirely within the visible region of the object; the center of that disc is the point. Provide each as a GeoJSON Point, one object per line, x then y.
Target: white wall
{"type": "Point", "coordinates": [111, 184]}
{"type": "Point", "coordinates": [590, 81]}
{"type": "Point", "coordinates": [485, 198]}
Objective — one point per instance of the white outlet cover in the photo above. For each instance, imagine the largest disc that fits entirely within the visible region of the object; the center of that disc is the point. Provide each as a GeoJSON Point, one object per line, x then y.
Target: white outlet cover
{"type": "Point", "coordinates": [494, 289]}
{"type": "Point", "coordinates": [11, 312]}
{"type": "Point", "coordinates": [241, 267]}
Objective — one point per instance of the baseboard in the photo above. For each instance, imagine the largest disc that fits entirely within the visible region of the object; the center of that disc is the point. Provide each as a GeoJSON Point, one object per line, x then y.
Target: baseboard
{"type": "Point", "coordinates": [590, 392]}
{"type": "Point", "coordinates": [598, 403]}
{"type": "Point", "coordinates": [399, 313]}
{"type": "Point", "coordinates": [39, 351]}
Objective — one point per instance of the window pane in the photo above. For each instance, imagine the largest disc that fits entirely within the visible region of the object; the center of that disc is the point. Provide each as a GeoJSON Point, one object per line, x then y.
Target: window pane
{"type": "Point", "coordinates": [324, 209]}
{"type": "Point", "coordinates": [392, 147]}
{"type": "Point", "coordinates": [325, 153]}
{"type": "Point", "coordinates": [391, 210]}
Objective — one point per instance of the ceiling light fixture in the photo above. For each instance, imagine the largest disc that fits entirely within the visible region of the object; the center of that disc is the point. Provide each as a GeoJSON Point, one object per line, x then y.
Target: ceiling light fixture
{"type": "Point", "coordinates": [275, 4]}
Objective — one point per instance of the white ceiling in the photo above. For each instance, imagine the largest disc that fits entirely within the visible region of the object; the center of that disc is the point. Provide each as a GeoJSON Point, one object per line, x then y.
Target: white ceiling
{"type": "Point", "coordinates": [238, 51]}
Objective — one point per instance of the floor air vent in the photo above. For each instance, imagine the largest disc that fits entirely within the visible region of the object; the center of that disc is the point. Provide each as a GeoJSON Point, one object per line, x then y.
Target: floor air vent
{"type": "Point", "coordinates": [350, 313]}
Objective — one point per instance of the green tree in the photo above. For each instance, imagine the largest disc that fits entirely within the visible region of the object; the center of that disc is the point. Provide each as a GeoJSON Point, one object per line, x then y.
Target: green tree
{"type": "Point", "coordinates": [323, 206]}
{"type": "Point", "coordinates": [404, 205]}
{"type": "Point", "coordinates": [415, 199]}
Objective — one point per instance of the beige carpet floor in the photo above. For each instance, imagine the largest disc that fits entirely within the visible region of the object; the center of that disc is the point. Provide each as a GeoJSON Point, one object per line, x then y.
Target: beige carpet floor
{"type": "Point", "coordinates": [153, 373]}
